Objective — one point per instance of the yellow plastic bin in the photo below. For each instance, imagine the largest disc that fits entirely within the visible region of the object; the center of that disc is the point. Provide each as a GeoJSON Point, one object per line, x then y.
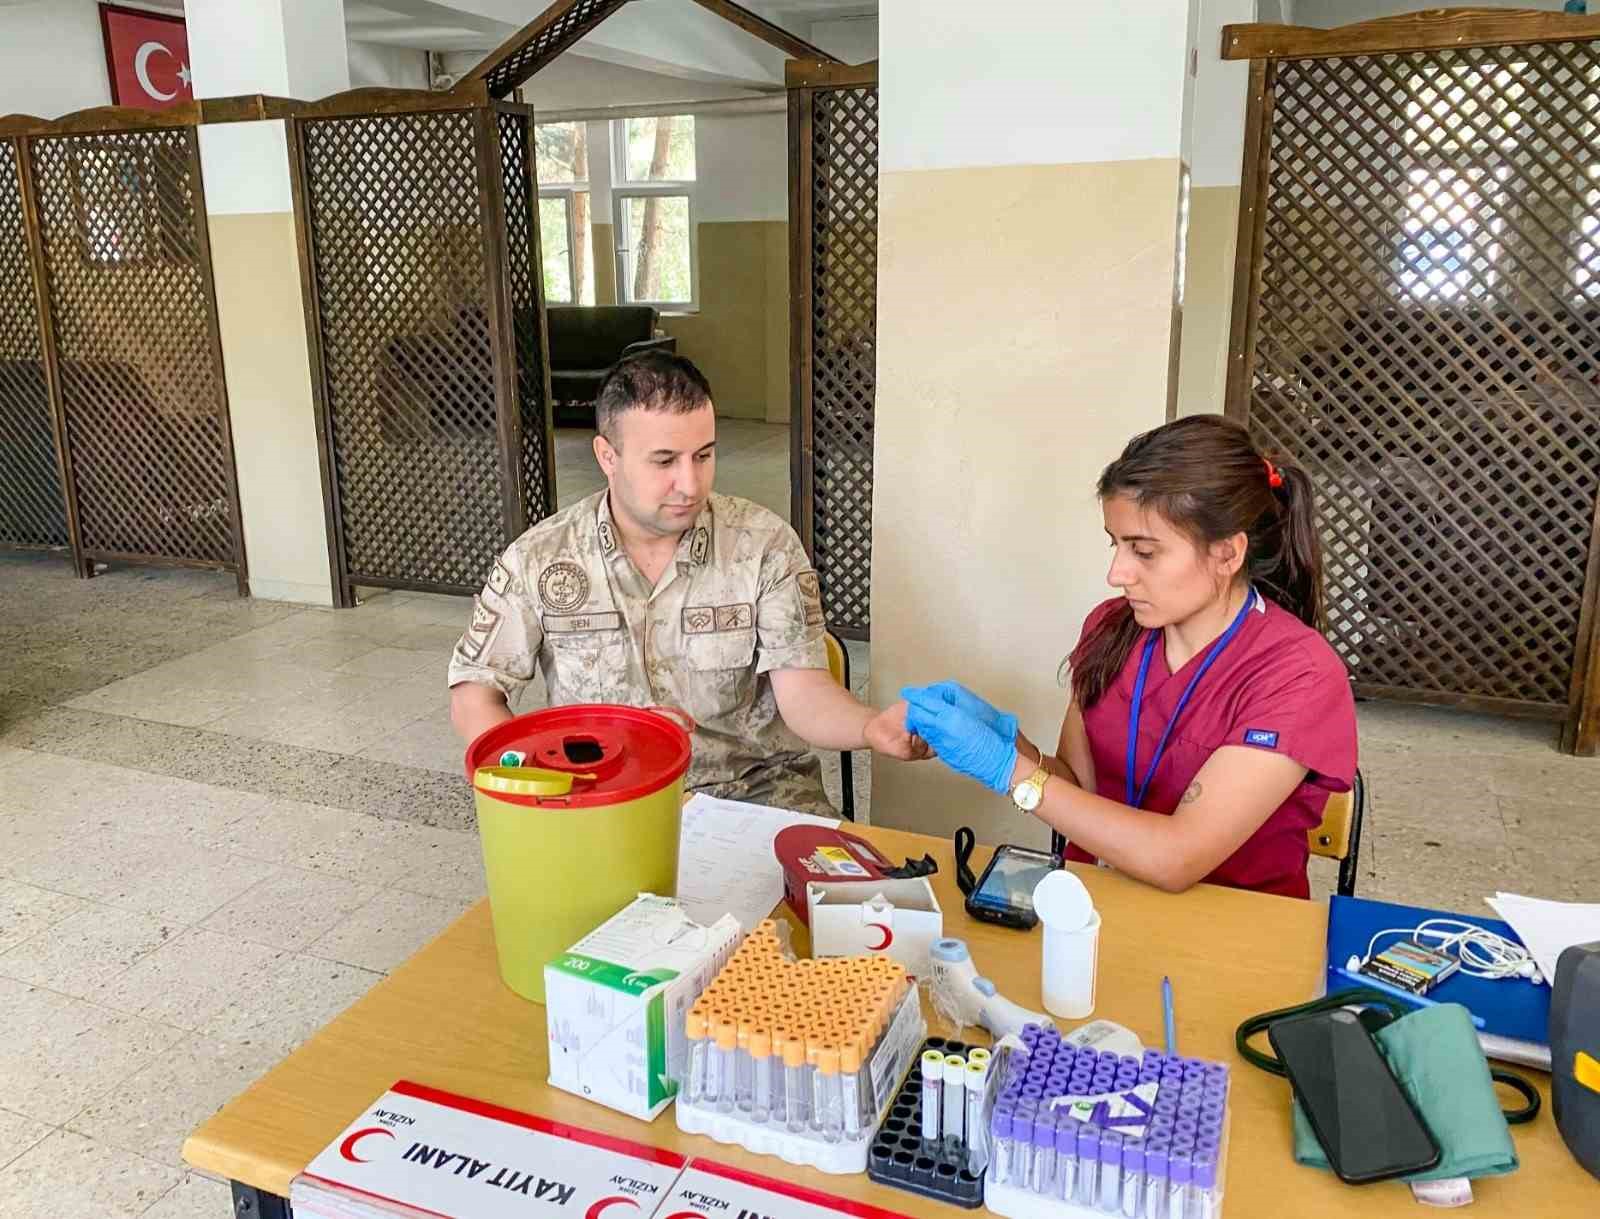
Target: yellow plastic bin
{"type": "Point", "coordinates": [580, 818]}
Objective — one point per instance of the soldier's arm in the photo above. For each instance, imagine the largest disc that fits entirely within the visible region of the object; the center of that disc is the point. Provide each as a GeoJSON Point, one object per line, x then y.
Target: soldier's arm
{"type": "Point", "coordinates": [789, 624]}
{"type": "Point", "coordinates": [474, 709]}
{"type": "Point", "coordinates": [494, 658]}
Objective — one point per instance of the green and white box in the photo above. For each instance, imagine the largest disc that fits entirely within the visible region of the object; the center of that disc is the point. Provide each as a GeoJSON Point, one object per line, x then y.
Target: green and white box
{"type": "Point", "coordinates": [616, 1000]}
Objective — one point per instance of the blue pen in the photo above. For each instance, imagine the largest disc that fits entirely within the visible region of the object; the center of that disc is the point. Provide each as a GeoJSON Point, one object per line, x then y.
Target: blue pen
{"type": "Point", "coordinates": [1361, 979]}
{"type": "Point", "coordinates": [1166, 1011]}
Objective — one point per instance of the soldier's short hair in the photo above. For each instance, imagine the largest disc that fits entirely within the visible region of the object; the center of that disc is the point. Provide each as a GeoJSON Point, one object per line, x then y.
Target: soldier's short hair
{"type": "Point", "coordinates": [651, 381]}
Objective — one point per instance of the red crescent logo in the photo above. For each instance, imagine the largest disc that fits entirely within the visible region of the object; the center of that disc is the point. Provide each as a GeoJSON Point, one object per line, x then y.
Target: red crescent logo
{"type": "Point", "coordinates": [684, 1215]}
{"type": "Point", "coordinates": [605, 1204]}
{"type": "Point", "coordinates": [348, 1148]}
{"type": "Point", "coordinates": [888, 937]}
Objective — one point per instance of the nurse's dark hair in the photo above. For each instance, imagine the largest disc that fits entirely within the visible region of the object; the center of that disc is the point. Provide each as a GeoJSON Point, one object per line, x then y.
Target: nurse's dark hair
{"type": "Point", "coordinates": [1206, 477]}
{"type": "Point", "coordinates": [649, 381]}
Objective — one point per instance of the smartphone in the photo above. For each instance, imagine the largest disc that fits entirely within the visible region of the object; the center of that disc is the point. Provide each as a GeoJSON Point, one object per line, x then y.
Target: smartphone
{"type": "Point", "coordinates": [1362, 1117]}
{"type": "Point", "coordinates": [1004, 893]}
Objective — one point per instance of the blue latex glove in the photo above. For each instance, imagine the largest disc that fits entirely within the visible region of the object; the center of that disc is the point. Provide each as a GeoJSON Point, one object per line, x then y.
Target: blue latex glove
{"type": "Point", "coordinates": [958, 696]}
{"type": "Point", "coordinates": [955, 722]}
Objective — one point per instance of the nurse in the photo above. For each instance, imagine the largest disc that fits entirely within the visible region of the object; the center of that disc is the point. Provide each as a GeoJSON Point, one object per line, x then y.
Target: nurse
{"type": "Point", "coordinates": [1209, 719]}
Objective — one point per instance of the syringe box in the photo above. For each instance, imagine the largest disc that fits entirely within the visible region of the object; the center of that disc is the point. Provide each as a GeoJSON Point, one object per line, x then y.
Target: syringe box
{"type": "Point", "coordinates": [615, 1003]}
{"type": "Point", "coordinates": [898, 918]}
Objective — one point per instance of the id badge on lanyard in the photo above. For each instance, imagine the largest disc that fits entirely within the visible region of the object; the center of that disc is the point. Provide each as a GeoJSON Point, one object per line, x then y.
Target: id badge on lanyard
{"type": "Point", "coordinates": [1135, 796]}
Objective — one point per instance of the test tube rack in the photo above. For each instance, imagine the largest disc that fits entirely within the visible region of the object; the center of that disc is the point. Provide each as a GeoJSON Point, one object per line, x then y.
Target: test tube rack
{"type": "Point", "coordinates": [798, 1058]}
{"type": "Point", "coordinates": [1046, 1164]}
{"type": "Point", "coordinates": [904, 1156]}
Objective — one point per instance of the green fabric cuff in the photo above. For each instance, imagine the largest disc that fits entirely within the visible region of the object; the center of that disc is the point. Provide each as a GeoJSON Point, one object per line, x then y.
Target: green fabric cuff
{"type": "Point", "coordinates": [1435, 1055]}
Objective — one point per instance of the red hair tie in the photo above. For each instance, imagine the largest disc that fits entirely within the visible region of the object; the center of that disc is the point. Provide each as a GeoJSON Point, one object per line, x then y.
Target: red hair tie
{"type": "Point", "coordinates": [1274, 479]}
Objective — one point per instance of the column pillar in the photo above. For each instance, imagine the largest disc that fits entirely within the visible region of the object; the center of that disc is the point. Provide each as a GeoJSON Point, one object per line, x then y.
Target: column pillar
{"type": "Point", "coordinates": [286, 48]}
{"type": "Point", "coordinates": [1028, 227]}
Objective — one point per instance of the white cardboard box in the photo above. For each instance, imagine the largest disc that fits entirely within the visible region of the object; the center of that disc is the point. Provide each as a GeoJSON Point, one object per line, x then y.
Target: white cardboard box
{"type": "Point", "coordinates": [615, 1003]}
{"type": "Point", "coordinates": [893, 918]}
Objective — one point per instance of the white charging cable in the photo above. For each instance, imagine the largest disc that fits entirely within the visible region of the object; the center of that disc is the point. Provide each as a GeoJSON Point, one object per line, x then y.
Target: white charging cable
{"type": "Point", "coordinates": [1481, 952]}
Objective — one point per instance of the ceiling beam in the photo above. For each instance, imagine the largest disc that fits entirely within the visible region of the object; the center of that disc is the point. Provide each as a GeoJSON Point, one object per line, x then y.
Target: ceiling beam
{"type": "Point", "coordinates": [754, 23]}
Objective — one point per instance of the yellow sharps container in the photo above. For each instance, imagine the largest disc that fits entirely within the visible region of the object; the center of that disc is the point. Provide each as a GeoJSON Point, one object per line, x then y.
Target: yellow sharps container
{"type": "Point", "coordinates": [584, 820]}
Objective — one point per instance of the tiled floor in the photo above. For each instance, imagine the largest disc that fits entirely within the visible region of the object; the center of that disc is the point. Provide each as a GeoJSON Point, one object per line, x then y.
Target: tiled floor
{"type": "Point", "coordinates": [204, 800]}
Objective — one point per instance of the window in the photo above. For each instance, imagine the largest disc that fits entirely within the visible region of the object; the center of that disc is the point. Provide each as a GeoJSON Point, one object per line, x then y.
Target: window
{"type": "Point", "coordinates": [562, 150]}
{"type": "Point", "coordinates": [1450, 235]}
{"type": "Point", "coordinates": [133, 204]}
{"type": "Point", "coordinates": [652, 197]}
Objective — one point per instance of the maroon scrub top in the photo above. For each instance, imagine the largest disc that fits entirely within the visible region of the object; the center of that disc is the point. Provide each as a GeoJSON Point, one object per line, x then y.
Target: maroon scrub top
{"type": "Point", "coordinates": [1278, 686]}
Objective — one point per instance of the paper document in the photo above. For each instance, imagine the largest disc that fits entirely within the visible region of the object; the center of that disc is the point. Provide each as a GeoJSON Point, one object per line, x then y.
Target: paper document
{"type": "Point", "coordinates": [1548, 927]}
{"type": "Point", "coordinates": [725, 859]}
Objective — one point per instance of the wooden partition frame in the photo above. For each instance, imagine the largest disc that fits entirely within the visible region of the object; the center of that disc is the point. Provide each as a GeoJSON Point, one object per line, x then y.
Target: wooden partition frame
{"type": "Point", "coordinates": [466, 376]}
{"type": "Point", "coordinates": [833, 153]}
{"type": "Point", "coordinates": [1512, 352]}
{"type": "Point", "coordinates": [117, 509]}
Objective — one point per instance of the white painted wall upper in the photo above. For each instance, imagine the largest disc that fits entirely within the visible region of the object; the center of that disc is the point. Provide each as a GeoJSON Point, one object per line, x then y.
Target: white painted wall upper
{"type": "Point", "coordinates": [958, 88]}
{"type": "Point", "coordinates": [576, 82]}
{"type": "Point", "coordinates": [743, 167]}
{"type": "Point", "coordinates": [290, 48]}
{"type": "Point", "coordinates": [852, 39]}
{"type": "Point", "coordinates": [377, 65]}
{"type": "Point", "coordinates": [52, 58]}
{"type": "Point", "coordinates": [1217, 117]}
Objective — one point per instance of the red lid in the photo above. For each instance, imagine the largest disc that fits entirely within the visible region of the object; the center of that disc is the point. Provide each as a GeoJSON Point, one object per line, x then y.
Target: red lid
{"type": "Point", "coordinates": [630, 752]}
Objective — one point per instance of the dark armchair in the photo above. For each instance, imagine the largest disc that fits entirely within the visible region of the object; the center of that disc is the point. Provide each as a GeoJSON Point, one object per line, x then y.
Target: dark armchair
{"type": "Point", "coordinates": [587, 340]}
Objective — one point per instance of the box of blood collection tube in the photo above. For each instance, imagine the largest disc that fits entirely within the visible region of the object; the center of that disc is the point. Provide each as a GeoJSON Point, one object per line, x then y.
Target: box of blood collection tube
{"type": "Point", "coordinates": [615, 1003]}
{"type": "Point", "coordinates": [897, 918]}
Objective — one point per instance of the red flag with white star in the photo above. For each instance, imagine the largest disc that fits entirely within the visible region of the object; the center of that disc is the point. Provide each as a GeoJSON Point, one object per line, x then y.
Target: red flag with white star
{"type": "Point", "coordinates": [148, 58]}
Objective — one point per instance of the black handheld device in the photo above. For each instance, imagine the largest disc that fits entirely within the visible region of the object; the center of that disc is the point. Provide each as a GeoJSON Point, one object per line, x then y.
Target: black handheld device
{"type": "Point", "coordinates": [1365, 1122]}
{"type": "Point", "coordinates": [1004, 893]}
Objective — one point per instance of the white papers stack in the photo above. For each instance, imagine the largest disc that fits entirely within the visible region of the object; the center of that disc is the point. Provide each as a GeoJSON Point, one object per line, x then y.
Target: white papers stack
{"type": "Point", "coordinates": [1548, 927]}
{"type": "Point", "coordinates": [725, 859]}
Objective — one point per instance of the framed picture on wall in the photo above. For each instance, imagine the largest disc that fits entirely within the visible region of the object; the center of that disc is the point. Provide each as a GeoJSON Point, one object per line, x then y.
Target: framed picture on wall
{"type": "Point", "coordinates": [147, 58]}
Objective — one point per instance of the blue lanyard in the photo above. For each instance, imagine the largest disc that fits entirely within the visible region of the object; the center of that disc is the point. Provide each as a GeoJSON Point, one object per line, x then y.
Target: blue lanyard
{"type": "Point", "coordinates": [1136, 799]}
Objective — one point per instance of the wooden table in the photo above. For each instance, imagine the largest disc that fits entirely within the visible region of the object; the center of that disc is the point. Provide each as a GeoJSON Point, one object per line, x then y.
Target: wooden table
{"type": "Point", "coordinates": [445, 1019]}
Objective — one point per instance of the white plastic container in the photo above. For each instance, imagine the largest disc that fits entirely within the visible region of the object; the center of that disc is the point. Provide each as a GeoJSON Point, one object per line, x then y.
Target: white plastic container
{"type": "Point", "coordinates": [1071, 944]}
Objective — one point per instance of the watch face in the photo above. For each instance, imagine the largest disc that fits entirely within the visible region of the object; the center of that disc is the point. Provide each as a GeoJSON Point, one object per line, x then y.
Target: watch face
{"type": "Point", "coordinates": [1026, 797]}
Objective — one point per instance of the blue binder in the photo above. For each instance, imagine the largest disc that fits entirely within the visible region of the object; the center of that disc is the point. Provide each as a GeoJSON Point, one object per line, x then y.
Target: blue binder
{"type": "Point", "coordinates": [1518, 1009]}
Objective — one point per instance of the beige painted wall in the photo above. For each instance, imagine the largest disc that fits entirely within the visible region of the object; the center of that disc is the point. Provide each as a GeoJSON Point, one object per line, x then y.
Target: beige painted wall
{"type": "Point", "coordinates": [262, 324]}
{"type": "Point", "coordinates": [740, 335]}
{"type": "Point", "coordinates": [993, 422]}
{"type": "Point", "coordinates": [1208, 299]}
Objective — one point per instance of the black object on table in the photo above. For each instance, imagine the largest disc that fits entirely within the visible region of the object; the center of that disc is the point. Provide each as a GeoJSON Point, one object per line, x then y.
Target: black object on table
{"type": "Point", "coordinates": [901, 1157]}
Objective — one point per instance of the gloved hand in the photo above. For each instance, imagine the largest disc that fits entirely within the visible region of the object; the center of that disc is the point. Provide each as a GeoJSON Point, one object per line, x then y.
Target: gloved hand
{"type": "Point", "coordinates": [957, 695]}
{"type": "Point", "coordinates": [967, 734]}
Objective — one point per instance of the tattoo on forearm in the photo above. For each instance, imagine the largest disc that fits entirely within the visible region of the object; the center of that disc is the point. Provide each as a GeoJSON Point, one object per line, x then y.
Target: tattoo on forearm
{"type": "Point", "coordinates": [1193, 794]}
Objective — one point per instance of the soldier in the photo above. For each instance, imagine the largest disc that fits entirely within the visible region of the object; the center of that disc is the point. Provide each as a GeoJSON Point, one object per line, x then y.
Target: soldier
{"type": "Point", "coordinates": [658, 592]}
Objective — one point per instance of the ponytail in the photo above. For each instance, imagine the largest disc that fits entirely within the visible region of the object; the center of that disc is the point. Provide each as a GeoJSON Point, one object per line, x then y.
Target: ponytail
{"type": "Point", "coordinates": [1204, 476]}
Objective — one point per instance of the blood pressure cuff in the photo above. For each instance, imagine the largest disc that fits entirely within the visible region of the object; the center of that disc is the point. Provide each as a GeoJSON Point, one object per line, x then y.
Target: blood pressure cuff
{"type": "Point", "coordinates": [1435, 1055]}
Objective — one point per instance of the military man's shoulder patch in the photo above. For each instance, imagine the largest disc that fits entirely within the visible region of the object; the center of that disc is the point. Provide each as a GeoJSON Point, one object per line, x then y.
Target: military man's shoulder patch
{"type": "Point", "coordinates": [499, 578]}
{"type": "Point", "coordinates": [563, 587]}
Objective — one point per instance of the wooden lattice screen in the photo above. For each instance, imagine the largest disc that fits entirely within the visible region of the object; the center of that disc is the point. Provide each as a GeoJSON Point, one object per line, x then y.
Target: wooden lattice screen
{"type": "Point", "coordinates": [132, 315]}
{"type": "Point", "coordinates": [32, 510]}
{"type": "Point", "coordinates": [1420, 330]}
{"type": "Point", "coordinates": [428, 318]}
{"type": "Point", "coordinates": [833, 132]}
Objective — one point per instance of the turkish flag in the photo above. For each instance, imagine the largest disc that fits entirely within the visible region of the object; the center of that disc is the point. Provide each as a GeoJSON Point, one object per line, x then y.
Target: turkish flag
{"type": "Point", "coordinates": [148, 58]}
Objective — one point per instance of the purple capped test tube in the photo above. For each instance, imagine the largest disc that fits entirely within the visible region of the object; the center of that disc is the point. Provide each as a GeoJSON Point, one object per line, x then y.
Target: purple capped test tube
{"type": "Point", "coordinates": [1128, 1060]}
{"type": "Point", "coordinates": [1203, 1194]}
{"type": "Point", "coordinates": [1021, 1148]}
{"type": "Point", "coordinates": [1088, 1165]}
{"type": "Point", "coordinates": [1133, 1157]}
{"type": "Point", "coordinates": [1155, 1185]}
{"type": "Point", "coordinates": [1186, 1125]}
{"type": "Point", "coordinates": [1001, 1153]}
{"type": "Point", "coordinates": [1042, 1172]}
{"type": "Point", "coordinates": [1180, 1171]}
{"type": "Point", "coordinates": [1149, 1076]}
{"type": "Point", "coordinates": [1033, 1092]}
{"type": "Point", "coordinates": [1066, 1158]}
{"type": "Point", "coordinates": [1110, 1186]}
{"type": "Point", "coordinates": [1031, 1031]}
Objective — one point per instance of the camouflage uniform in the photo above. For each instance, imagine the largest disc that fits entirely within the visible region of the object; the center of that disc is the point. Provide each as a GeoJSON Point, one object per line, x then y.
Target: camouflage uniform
{"type": "Point", "coordinates": [739, 600]}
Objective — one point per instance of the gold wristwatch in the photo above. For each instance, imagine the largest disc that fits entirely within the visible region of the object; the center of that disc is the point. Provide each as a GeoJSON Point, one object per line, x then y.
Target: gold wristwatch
{"type": "Point", "coordinates": [1029, 794]}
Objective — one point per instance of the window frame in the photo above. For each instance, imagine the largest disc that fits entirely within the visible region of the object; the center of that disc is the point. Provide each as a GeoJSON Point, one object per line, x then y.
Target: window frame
{"type": "Point", "coordinates": [622, 190]}
{"type": "Point", "coordinates": [565, 193]}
